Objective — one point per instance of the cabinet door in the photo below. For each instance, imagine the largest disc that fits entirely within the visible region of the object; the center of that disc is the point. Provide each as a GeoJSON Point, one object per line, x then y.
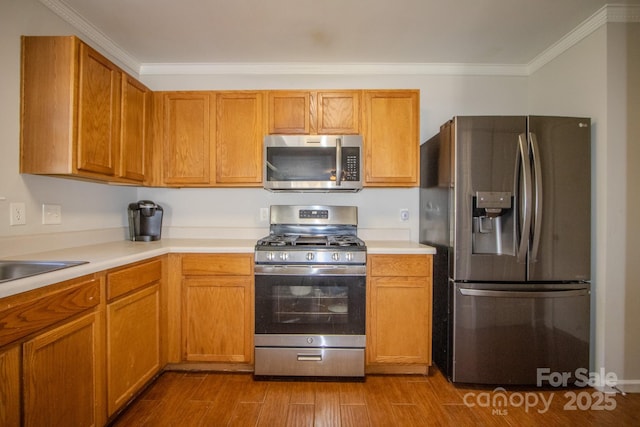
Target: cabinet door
{"type": "Point", "coordinates": [47, 114]}
{"type": "Point", "coordinates": [61, 375]}
{"type": "Point", "coordinates": [289, 112]}
{"type": "Point", "coordinates": [133, 344]}
{"type": "Point", "coordinates": [400, 316]}
{"type": "Point", "coordinates": [135, 118]}
{"type": "Point", "coordinates": [187, 138]}
{"type": "Point", "coordinates": [391, 138]}
{"type": "Point", "coordinates": [10, 387]}
{"type": "Point", "coordinates": [311, 112]}
{"type": "Point", "coordinates": [98, 113]}
{"type": "Point", "coordinates": [217, 319]}
{"type": "Point", "coordinates": [338, 113]}
{"type": "Point", "coordinates": [399, 312]}
{"type": "Point", "coordinates": [239, 134]}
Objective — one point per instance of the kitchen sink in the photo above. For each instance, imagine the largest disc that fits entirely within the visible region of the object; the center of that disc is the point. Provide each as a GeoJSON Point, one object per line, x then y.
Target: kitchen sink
{"type": "Point", "coordinates": [13, 270]}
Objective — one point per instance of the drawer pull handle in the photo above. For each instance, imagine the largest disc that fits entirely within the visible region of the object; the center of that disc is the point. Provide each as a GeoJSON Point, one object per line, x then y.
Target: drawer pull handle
{"type": "Point", "coordinates": [309, 358]}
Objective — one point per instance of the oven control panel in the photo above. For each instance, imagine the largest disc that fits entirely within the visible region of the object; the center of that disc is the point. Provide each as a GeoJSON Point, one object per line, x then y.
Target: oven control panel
{"type": "Point", "coordinates": [272, 256]}
{"type": "Point", "coordinates": [313, 213]}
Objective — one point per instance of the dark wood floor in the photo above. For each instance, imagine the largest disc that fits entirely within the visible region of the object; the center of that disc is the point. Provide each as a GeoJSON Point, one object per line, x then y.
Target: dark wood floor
{"type": "Point", "coordinates": [225, 399]}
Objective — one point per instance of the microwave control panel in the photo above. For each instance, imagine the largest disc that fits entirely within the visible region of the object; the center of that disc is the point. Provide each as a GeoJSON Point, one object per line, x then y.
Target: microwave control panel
{"type": "Point", "coordinates": [351, 164]}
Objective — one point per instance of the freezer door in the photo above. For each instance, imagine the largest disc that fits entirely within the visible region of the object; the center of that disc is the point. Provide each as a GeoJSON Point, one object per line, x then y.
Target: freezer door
{"type": "Point", "coordinates": [560, 247]}
{"type": "Point", "coordinates": [486, 204]}
{"type": "Point", "coordinates": [503, 333]}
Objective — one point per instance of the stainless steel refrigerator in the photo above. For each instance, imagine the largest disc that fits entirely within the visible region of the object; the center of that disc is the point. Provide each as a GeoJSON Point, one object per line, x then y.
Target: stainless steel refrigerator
{"type": "Point", "coordinates": [506, 202]}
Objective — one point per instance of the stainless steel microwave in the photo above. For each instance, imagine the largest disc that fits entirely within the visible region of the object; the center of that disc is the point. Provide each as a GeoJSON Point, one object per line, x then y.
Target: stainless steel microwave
{"type": "Point", "coordinates": [313, 163]}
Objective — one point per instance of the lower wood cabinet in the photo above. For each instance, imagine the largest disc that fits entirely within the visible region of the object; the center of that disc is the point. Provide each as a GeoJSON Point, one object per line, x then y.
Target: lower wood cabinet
{"type": "Point", "coordinates": [10, 386]}
{"type": "Point", "coordinates": [133, 330]}
{"type": "Point", "coordinates": [63, 376]}
{"type": "Point", "coordinates": [399, 313]}
{"type": "Point", "coordinates": [73, 353]}
{"type": "Point", "coordinates": [217, 308]}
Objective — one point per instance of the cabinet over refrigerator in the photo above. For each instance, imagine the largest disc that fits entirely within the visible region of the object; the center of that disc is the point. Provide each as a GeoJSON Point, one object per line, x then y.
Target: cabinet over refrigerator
{"type": "Point", "coordinates": [506, 202]}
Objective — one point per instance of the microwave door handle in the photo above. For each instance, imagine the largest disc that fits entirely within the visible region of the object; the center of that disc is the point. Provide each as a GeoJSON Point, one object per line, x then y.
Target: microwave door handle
{"type": "Point", "coordinates": [338, 161]}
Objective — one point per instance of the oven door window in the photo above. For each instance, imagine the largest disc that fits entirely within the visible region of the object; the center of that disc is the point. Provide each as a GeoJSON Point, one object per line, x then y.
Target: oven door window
{"type": "Point", "coordinates": [310, 305]}
{"type": "Point", "coordinates": [301, 164]}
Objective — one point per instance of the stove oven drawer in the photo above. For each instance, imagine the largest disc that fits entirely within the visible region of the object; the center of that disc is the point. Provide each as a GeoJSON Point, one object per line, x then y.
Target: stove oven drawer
{"type": "Point", "coordinates": [313, 362]}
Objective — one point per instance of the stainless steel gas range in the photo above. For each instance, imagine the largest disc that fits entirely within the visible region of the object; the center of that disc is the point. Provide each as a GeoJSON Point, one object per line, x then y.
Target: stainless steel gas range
{"type": "Point", "coordinates": [310, 294]}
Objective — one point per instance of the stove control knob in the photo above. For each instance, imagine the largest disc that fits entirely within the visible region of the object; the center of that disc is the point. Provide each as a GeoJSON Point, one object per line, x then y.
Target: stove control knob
{"type": "Point", "coordinates": [335, 256]}
{"type": "Point", "coordinates": [349, 256]}
{"type": "Point", "coordinates": [310, 256]}
{"type": "Point", "coordinates": [270, 256]}
{"type": "Point", "coordinates": [284, 256]}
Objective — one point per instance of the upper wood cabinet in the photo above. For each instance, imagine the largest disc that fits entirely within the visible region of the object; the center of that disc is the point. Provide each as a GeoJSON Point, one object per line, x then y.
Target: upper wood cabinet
{"type": "Point", "coordinates": [289, 112]}
{"type": "Point", "coordinates": [239, 132]}
{"type": "Point", "coordinates": [98, 113]}
{"type": "Point", "coordinates": [136, 107]}
{"type": "Point", "coordinates": [78, 108]}
{"type": "Point", "coordinates": [391, 130]}
{"type": "Point", "coordinates": [210, 138]}
{"type": "Point", "coordinates": [185, 135]}
{"type": "Point", "coordinates": [314, 112]}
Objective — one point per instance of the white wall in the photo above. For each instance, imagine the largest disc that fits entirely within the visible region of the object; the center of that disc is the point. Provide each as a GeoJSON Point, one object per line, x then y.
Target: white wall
{"type": "Point", "coordinates": [629, 36]}
{"type": "Point", "coordinates": [85, 206]}
{"type": "Point", "coordinates": [598, 78]}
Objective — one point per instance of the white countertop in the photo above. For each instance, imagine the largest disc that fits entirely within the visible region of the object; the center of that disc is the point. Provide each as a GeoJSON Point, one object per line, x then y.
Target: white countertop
{"type": "Point", "coordinates": [114, 254]}
{"type": "Point", "coordinates": [398, 247]}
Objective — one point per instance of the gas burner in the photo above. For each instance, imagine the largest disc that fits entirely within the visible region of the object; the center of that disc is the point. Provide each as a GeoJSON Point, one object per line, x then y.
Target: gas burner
{"type": "Point", "coordinates": [277, 240]}
{"type": "Point", "coordinates": [312, 235]}
{"type": "Point", "coordinates": [308, 241]}
{"type": "Point", "coordinates": [344, 241]}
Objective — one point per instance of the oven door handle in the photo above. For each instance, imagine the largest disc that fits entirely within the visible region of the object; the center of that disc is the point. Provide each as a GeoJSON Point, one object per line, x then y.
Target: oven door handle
{"type": "Point", "coordinates": [310, 270]}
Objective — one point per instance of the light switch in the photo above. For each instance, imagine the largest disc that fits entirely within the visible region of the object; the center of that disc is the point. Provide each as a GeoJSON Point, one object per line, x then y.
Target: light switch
{"type": "Point", "coordinates": [51, 214]}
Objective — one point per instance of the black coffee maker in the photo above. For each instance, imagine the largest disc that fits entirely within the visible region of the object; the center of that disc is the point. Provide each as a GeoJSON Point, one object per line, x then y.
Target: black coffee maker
{"type": "Point", "coordinates": [145, 221]}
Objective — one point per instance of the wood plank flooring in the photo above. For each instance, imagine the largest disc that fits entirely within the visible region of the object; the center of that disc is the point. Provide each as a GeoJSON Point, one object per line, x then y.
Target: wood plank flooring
{"type": "Point", "coordinates": [235, 399]}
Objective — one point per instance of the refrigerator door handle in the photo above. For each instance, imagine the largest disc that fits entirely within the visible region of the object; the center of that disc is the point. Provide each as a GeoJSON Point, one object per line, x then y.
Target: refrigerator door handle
{"type": "Point", "coordinates": [523, 149]}
{"type": "Point", "coordinates": [524, 294]}
{"type": "Point", "coordinates": [537, 217]}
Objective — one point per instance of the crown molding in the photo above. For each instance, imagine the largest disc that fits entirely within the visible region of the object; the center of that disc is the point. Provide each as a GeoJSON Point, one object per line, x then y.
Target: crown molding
{"type": "Point", "coordinates": [81, 24]}
{"type": "Point", "coordinates": [608, 13]}
{"type": "Point", "coordinates": [296, 68]}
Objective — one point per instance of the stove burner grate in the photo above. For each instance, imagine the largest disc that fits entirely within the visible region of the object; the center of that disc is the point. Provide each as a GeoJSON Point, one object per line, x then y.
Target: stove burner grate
{"type": "Point", "coordinates": [279, 240]}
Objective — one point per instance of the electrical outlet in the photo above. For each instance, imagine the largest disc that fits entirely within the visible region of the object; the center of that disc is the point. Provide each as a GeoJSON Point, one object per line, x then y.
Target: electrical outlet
{"type": "Point", "coordinates": [264, 214]}
{"type": "Point", "coordinates": [404, 214]}
{"type": "Point", "coordinates": [17, 214]}
{"type": "Point", "coordinates": [51, 214]}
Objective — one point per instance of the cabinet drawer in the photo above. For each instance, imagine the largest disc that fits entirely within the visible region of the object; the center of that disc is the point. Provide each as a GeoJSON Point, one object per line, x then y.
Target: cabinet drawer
{"type": "Point", "coordinates": [120, 282]}
{"type": "Point", "coordinates": [31, 315]}
{"type": "Point", "coordinates": [217, 265]}
{"type": "Point", "coordinates": [399, 265]}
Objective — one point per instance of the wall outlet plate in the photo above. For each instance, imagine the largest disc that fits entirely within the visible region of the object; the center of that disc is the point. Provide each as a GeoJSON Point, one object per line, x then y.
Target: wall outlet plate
{"type": "Point", "coordinates": [264, 214]}
{"type": "Point", "coordinates": [404, 214]}
{"type": "Point", "coordinates": [17, 213]}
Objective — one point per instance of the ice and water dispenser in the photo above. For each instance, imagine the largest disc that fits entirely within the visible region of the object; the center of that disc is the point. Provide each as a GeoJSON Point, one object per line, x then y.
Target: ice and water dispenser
{"type": "Point", "coordinates": [492, 223]}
